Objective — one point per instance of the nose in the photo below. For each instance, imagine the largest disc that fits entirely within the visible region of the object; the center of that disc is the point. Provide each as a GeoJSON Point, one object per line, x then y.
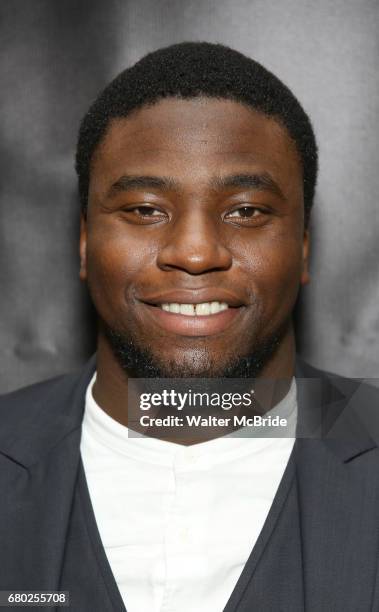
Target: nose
{"type": "Point", "coordinates": [193, 244]}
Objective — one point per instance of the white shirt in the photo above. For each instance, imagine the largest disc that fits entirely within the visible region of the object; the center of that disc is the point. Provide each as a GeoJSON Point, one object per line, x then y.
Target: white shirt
{"type": "Point", "coordinates": [178, 523]}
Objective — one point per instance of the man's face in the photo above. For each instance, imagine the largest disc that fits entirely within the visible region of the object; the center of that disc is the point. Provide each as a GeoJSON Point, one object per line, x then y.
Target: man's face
{"type": "Point", "coordinates": [194, 245]}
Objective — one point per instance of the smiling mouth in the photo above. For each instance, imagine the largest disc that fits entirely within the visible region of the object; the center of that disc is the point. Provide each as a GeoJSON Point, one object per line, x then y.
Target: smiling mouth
{"type": "Point", "coordinates": [193, 319]}
{"type": "Point", "coordinates": [202, 309]}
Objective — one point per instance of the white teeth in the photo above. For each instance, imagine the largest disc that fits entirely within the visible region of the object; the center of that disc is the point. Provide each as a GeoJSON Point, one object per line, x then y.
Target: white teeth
{"type": "Point", "coordinates": [204, 308]}
{"type": "Point", "coordinates": [201, 310]}
{"type": "Point", "coordinates": [187, 309]}
{"type": "Point", "coordinates": [217, 307]}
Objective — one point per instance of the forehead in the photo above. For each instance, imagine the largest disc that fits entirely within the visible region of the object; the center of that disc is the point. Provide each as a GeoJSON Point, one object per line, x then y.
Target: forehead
{"type": "Point", "coordinates": [193, 139]}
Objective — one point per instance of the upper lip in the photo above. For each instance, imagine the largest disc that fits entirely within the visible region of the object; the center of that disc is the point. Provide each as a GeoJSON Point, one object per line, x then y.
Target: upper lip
{"type": "Point", "coordinates": [193, 296]}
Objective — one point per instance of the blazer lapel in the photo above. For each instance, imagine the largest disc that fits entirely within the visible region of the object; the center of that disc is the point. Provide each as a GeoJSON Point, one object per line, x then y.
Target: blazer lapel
{"type": "Point", "coordinates": [338, 488]}
{"type": "Point", "coordinates": [39, 457]}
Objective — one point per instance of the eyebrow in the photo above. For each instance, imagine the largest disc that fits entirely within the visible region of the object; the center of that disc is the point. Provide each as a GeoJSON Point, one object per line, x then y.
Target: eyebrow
{"type": "Point", "coordinates": [260, 182]}
{"type": "Point", "coordinates": [129, 182]}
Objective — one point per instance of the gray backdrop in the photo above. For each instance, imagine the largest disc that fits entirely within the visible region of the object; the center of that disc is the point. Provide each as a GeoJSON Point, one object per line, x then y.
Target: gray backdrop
{"type": "Point", "coordinates": [56, 56]}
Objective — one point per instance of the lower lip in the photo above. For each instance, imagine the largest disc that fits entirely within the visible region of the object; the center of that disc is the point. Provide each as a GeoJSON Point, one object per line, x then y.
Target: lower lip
{"type": "Point", "coordinates": [184, 325]}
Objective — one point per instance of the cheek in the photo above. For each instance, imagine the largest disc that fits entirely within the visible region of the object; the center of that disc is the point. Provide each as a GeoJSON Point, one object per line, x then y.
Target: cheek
{"type": "Point", "coordinates": [115, 261]}
{"type": "Point", "coordinates": [273, 265]}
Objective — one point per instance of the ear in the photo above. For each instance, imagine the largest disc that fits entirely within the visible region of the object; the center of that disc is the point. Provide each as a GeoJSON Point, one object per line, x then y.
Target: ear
{"type": "Point", "coordinates": [83, 248]}
{"type": "Point", "coordinates": [305, 278]}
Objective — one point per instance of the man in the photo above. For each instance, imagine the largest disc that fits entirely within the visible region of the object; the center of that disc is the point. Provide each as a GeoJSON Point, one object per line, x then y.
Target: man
{"type": "Point", "coordinates": [197, 170]}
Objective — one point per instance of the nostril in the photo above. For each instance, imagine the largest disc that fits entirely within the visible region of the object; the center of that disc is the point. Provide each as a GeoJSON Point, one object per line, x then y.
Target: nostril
{"type": "Point", "coordinates": [194, 256]}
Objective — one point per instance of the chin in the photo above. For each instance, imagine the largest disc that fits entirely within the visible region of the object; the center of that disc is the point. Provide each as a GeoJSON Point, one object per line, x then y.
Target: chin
{"type": "Point", "coordinates": [190, 366]}
{"type": "Point", "coordinates": [141, 361]}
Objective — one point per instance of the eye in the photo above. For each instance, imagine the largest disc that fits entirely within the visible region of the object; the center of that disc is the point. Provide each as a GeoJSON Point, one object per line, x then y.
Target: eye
{"type": "Point", "coordinates": [246, 215]}
{"type": "Point", "coordinates": [147, 211]}
{"type": "Point", "coordinates": [243, 212]}
{"type": "Point", "coordinates": [144, 213]}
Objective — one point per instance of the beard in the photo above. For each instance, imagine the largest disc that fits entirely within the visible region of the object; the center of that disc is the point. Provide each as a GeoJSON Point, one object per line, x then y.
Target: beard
{"type": "Point", "coordinates": [140, 362]}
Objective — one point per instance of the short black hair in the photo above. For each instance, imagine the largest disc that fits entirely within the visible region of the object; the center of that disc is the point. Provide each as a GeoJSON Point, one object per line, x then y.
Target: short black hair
{"type": "Point", "coordinates": [197, 69]}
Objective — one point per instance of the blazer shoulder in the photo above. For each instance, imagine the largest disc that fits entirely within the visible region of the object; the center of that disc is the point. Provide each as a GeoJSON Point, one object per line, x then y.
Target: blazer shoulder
{"type": "Point", "coordinates": [38, 392]}
{"type": "Point", "coordinates": [305, 370]}
{"type": "Point", "coordinates": [35, 418]}
{"type": "Point", "coordinates": [346, 385]}
{"type": "Point", "coordinates": [51, 390]}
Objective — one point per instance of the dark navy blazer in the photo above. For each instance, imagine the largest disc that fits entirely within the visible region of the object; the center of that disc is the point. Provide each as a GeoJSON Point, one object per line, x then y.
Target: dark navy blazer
{"type": "Point", "coordinates": [318, 550]}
